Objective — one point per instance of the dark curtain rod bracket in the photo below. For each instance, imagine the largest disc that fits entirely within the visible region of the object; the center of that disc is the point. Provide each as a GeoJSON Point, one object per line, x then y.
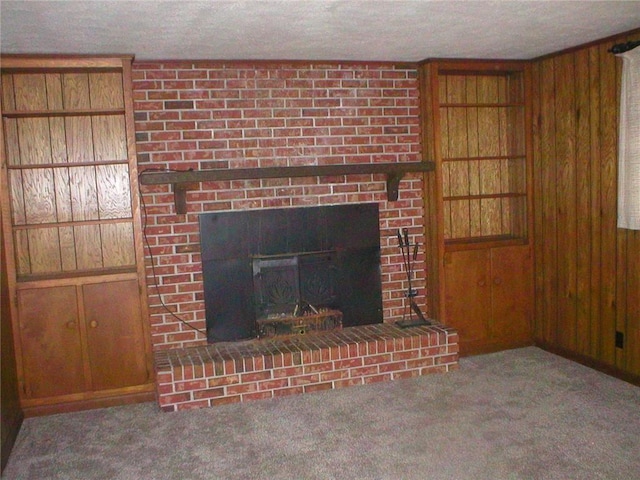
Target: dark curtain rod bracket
{"type": "Point", "coordinates": [624, 47]}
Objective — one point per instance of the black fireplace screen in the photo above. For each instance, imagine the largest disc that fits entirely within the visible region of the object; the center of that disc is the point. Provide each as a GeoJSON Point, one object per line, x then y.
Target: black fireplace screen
{"type": "Point", "coordinates": [261, 263]}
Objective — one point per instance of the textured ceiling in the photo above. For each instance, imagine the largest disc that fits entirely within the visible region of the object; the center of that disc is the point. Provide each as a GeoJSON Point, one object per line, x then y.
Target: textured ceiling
{"type": "Point", "coordinates": [388, 30]}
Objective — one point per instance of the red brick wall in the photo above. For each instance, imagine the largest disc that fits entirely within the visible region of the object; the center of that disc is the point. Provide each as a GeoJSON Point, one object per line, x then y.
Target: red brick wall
{"type": "Point", "coordinates": [205, 115]}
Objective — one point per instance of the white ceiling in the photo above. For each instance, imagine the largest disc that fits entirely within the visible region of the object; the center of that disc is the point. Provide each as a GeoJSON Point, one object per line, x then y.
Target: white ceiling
{"type": "Point", "coordinates": [386, 30]}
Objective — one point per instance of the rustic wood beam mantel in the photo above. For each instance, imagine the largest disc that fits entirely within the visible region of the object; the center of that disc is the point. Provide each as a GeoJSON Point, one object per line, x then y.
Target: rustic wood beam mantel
{"type": "Point", "coordinates": [183, 181]}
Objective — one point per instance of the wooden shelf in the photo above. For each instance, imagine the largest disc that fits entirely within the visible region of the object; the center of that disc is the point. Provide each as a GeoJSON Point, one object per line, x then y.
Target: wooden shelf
{"type": "Point", "coordinates": [182, 181]}
{"type": "Point", "coordinates": [67, 164]}
{"type": "Point", "coordinates": [62, 113]}
{"type": "Point", "coordinates": [487, 196]}
{"type": "Point", "coordinates": [482, 105]}
{"type": "Point", "coordinates": [480, 159]}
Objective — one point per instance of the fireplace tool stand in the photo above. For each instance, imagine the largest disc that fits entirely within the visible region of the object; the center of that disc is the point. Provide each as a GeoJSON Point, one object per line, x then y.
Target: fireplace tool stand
{"type": "Point", "coordinates": [408, 257]}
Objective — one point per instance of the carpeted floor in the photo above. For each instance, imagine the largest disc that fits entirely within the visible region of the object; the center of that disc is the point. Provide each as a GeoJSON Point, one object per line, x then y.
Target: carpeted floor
{"type": "Point", "coordinates": [519, 414]}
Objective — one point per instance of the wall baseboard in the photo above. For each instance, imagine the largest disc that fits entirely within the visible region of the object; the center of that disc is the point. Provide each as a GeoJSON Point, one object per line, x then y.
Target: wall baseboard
{"type": "Point", "coordinates": [590, 362]}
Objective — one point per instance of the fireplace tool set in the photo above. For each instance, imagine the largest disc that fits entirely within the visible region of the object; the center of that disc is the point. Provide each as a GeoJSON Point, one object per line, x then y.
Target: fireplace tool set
{"type": "Point", "coordinates": [409, 255]}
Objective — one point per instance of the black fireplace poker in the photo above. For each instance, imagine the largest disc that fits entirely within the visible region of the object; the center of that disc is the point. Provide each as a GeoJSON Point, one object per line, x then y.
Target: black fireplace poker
{"type": "Point", "coordinates": [409, 255]}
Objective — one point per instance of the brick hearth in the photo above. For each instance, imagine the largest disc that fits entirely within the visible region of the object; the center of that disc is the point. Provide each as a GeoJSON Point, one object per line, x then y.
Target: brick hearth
{"type": "Point", "coordinates": [231, 372]}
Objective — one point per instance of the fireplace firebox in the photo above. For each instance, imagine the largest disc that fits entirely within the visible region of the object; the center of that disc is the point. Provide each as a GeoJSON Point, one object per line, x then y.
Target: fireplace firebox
{"type": "Point", "coordinates": [264, 269]}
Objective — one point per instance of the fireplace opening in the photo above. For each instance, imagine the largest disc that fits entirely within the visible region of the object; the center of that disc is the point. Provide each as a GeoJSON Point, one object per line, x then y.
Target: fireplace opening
{"type": "Point", "coordinates": [295, 293]}
{"type": "Point", "coordinates": [290, 271]}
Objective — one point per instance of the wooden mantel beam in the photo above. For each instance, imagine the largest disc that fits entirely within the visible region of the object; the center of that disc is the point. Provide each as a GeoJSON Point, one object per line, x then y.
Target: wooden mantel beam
{"type": "Point", "coordinates": [182, 181]}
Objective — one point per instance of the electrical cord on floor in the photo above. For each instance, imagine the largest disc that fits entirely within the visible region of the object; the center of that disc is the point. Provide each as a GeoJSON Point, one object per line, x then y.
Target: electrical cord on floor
{"type": "Point", "coordinates": [153, 267]}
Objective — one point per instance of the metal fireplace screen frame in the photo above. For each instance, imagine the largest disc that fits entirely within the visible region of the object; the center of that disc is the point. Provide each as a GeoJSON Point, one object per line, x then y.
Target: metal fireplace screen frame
{"type": "Point", "coordinates": [259, 263]}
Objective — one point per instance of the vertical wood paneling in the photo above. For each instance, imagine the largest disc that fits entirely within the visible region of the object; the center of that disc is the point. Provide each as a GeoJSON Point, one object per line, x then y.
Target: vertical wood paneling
{"type": "Point", "coordinates": [114, 196]}
{"type": "Point", "coordinates": [608, 196]}
{"type": "Point", "coordinates": [583, 227]}
{"type": "Point", "coordinates": [632, 314]}
{"type": "Point", "coordinates": [88, 246]}
{"type": "Point", "coordinates": [547, 201]}
{"type": "Point", "coordinates": [21, 252]}
{"type": "Point", "coordinates": [30, 91]}
{"type": "Point", "coordinates": [594, 213]}
{"type": "Point", "coordinates": [117, 245]}
{"type": "Point", "coordinates": [566, 198]}
{"type": "Point", "coordinates": [44, 250]}
{"type": "Point", "coordinates": [538, 214]}
{"type": "Point", "coordinates": [106, 90]}
{"type": "Point", "coordinates": [109, 139]}
{"type": "Point", "coordinates": [84, 197]}
{"type": "Point", "coordinates": [67, 249]}
{"type": "Point", "coordinates": [75, 91]}
{"type": "Point", "coordinates": [587, 271]}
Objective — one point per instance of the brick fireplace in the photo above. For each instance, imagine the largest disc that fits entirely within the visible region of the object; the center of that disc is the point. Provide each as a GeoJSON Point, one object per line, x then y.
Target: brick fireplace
{"type": "Point", "coordinates": [224, 115]}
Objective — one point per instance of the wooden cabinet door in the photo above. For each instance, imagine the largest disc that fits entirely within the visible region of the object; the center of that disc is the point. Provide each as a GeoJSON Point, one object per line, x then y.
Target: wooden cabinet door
{"type": "Point", "coordinates": [115, 337]}
{"type": "Point", "coordinates": [50, 338]}
{"type": "Point", "coordinates": [468, 295]}
{"type": "Point", "coordinates": [511, 293]}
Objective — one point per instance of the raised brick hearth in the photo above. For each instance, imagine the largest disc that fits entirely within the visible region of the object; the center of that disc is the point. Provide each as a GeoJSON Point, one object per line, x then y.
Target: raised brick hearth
{"type": "Point", "coordinates": [232, 372]}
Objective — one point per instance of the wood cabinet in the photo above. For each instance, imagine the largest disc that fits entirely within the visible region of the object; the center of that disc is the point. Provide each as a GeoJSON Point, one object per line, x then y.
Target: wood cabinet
{"type": "Point", "coordinates": [84, 330]}
{"type": "Point", "coordinates": [476, 124]}
{"type": "Point", "coordinates": [485, 296]}
{"type": "Point", "coordinates": [72, 230]}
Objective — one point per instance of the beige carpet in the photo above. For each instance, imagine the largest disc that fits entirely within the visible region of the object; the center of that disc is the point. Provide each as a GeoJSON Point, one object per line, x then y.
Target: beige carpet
{"type": "Point", "coordinates": [519, 414]}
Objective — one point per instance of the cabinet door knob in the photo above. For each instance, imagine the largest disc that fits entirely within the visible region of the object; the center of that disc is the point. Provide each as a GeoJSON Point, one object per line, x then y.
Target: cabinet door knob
{"type": "Point", "coordinates": [71, 325]}
{"type": "Point", "coordinates": [481, 283]}
{"type": "Point", "coordinates": [93, 324]}
{"type": "Point", "coordinates": [497, 280]}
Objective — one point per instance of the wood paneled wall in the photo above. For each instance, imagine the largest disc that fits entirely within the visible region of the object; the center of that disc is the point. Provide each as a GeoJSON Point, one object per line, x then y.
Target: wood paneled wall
{"type": "Point", "coordinates": [11, 414]}
{"type": "Point", "coordinates": [587, 271]}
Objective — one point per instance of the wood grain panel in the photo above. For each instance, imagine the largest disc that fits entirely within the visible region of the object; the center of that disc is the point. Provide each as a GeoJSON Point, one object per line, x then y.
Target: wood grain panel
{"type": "Point", "coordinates": [546, 199]}
{"type": "Point", "coordinates": [511, 293]}
{"type": "Point", "coordinates": [632, 317]}
{"type": "Point", "coordinates": [30, 91]}
{"type": "Point", "coordinates": [491, 216]}
{"type": "Point", "coordinates": [88, 246]}
{"type": "Point", "coordinates": [34, 141]}
{"type": "Point", "coordinates": [53, 84]}
{"type": "Point", "coordinates": [608, 196]}
{"type": "Point", "coordinates": [115, 342]}
{"type": "Point", "coordinates": [39, 195]}
{"type": "Point", "coordinates": [58, 143]}
{"type": "Point", "coordinates": [488, 132]}
{"type": "Point", "coordinates": [587, 269]}
{"type": "Point", "coordinates": [468, 294]}
{"type": "Point", "coordinates": [455, 88]}
{"type": "Point", "coordinates": [458, 171]}
{"type": "Point", "coordinates": [75, 91]}
{"type": "Point", "coordinates": [445, 167]}
{"type": "Point", "coordinates": [583, 221]}
{"type": "Point", "coordinates": [475, 214]}
{"type": "Point", "coordinates": [565, 198]}
{"type": "Point", "coordinates": [7, 94]}
{"type": "Point", "coordinates": [488, 91]}
{"type": "Point", "coordinates": [595, 202]}
{"type": "Point", "coordinates": [114, 191]}
{"type": "Point", "coordinates": [84, 195]}
{"type": "Point", "coordinates": [18, 211]}
{"type": "Point", "coordinates": [79, 139]}
{"type": "Point", "coordinates": [11, 141]}
{"type": "Point", "coordinates": [67, 249]}
{"type": "Point", "coordinates": [106, 90]}
{"type": "Point", "coordinates": [62, 194]}
{"type": "Point", "coordinates": [50, 339]}
{"type": "Point", "coordinates": [21, 252]}
{"type": "Point", "coordinates": [109, 139]}
{"type": "Point", "coordinates": [117, 244]}
{"type": "Point", "coordinates": [538, 167]}
{"type": "Point", "coordinates": [44, 250]}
